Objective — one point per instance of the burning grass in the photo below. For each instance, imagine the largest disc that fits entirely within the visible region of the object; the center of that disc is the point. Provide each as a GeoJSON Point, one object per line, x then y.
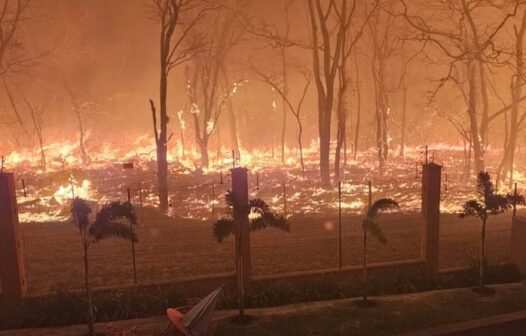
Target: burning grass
{"type": "Point", "coordinates": [181, 244]}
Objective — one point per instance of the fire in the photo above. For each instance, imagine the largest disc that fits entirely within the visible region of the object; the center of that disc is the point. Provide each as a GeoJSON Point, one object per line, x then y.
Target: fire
{"type": "Point", "coordinates": [282, 184]}
{"type": "Point", "coordinates": [69, 191]}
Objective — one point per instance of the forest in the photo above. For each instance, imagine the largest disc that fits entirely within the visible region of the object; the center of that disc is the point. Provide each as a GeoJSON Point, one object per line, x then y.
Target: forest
{"type": "Point", "coordinates": [311, 85]}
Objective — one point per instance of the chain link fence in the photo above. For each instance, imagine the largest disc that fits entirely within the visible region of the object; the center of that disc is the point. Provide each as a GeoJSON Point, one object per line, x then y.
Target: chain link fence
{"type": "Point", "coordinates": [181, 244]}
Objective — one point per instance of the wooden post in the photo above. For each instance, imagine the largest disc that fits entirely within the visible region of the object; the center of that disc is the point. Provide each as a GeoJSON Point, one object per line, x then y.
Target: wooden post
{"type": "Point", "coordinates": [132, 245]}
{"type": "Point", "coordinates": [285, 198]}
{"type": "Point", "coordinates": [242, 230]}
{"type": "Point", "coordinates": [515, 200]}
{"type": "Point", "coordinates": [431, 178]}
{"type": "Point", "coordinates": [213, 204]}
{"type": "Point", "coordinates": [24, 188]}
{"type": "Point", "coordinates": [518, 248]}
{"type": "Point", "coordinates": [12, 272]}
{"type": "Point", "coordinates": [340, 221]}
{"type": "Point", "coordinates": [140, 202]}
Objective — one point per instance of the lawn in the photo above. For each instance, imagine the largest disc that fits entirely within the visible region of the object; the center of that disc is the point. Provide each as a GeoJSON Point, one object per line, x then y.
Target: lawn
{"type": "Point", "coordinates": [393, 314]}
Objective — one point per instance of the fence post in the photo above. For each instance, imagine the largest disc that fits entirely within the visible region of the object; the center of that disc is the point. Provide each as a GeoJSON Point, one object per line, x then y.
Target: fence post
{"type": "Point", "coordinates": [12, 271]}
{"type": "Point", "coordinates": [132, 245]}
{"type": "Point", "coordinates": [515, 194]}
{"type": "Point", "coordinates": [285, 198]}
{"type": "Point", "coordinates": [213, 204]}
{"type": "Point", "coordinates": [518, 248]}
{"type": "Point", "coordinates": [340, 220]}
{"type": "Point", "coordinates": [431, 178]}
{"type": "Point", "coordinates": [242, 230]}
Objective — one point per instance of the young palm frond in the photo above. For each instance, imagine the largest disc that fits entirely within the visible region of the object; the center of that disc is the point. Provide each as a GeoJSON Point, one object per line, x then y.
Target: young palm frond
{"type": "Point", "coordinates": [373, 227]}
{"type": "Point", "coordinates": [223, 228]}
{"type": "Point", "coordinates": [487, 204]}
{"type": "Point", "coordinates": [260, 217]}
{"type": "Point", "coordinates": [269, 220]}
{"type": "Point", "coordinates": [111, 221]}
{"type": "Point", "coordinates": [472, 208]}
{"type": "Point", "coordinates": [381, 205]}
{"type": "Point", "coordinates": [485, 187]}
{"type": "Point", "coordinates": [80, 210]}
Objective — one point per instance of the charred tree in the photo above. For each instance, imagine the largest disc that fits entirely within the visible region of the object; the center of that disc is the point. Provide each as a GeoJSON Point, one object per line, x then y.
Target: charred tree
{"type": "Point", "coordinates": [177, 19]}
{"type": "Point", "coordinates": [207, 92]}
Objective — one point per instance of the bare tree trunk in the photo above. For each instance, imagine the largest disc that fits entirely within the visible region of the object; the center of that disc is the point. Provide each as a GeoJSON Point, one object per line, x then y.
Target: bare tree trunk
{"type": "Point", "coordinates": [325, 145]}
{"type": "Point", "coordinates": [234, 139]}
{"type": "Point", "coordinates": [284, 104]}
{"type": "Point", "coordinates": [358, 107]}
{"type": "Point", "coordinates": [300, 144]}
{"type": "Point", "coordinates": [162, 148]}
{"type": "Point", "coordinates": [203, 150]}
{"type": "Point", "coordinates": [477, 145]}
{"type": "Point", "coordinates": [508, 161]}
{"type": "Point", "coordinates": [162, 161]}
{"type": "Point", "coordinates": [342, 123]}
{"type": "Point", "coordinates": [404, 117]}
{"type": "Point", "coordinates": [36, 117]}
{"type": "Point", "coordinates": [78, 114]}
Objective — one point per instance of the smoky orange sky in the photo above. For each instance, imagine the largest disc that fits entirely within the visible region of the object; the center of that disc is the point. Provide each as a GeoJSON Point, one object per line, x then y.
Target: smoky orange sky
{"type": "Point", "coordinates": [107, 52]}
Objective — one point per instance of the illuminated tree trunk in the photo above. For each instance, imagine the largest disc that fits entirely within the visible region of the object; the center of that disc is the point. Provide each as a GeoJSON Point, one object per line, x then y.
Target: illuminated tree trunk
{"type": "Point", "coordinates": [477, 146]}
{"type": "Point", "coordinates": [161, 145]}
{"type": "Point", "coordinates": [232, 120]}
{"type": "Point", "coordinates": [78, 114]}
{"type": "Point", "coordinates": [324, 69]}
{"type": "Point", "coordinates": [358, 108]}
{"type": "Point", "coordinates": [203, 149]}
{"type": "Point", "coordinates": [284, 105]}
{"type": "Point", "coordinates": [506, 166]}
{"type": "Point", "coordinates": [382, 145]}
{"type": "Point", "coordinates": [404, 117]}
{"type": "Point", "coordinates": [342, 123]}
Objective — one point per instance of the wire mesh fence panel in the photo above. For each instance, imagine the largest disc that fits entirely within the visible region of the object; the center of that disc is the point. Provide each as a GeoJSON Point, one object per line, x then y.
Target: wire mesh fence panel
{"type": "Point", "coordinates": [171, 250]}
{"type": "Point", "coordinates": [314, 243]}
{"type": "Point", "coordinates": [460, 240]}
{"type": "Point", "coordinates": [180, 244]}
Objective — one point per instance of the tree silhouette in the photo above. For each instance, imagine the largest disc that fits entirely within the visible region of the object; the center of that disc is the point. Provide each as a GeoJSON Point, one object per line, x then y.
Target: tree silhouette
{"type": "Point", "coordinates": [110, 221]}
{"type": "Point", "coordinates": [487, 203]}
{"type": "Point", "coordinates": [371, 225]}
{"type": "Point", "coordinates": [260, 216]}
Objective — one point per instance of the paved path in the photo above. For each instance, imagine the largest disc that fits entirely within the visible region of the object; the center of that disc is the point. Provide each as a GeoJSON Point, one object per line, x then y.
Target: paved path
{"type": "Point", "coordinates": [512, 324]}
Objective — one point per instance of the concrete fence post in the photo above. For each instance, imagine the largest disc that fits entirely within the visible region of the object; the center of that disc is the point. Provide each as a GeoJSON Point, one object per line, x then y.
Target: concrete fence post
{"type": "Point", "coordinates": [12, 272]}
{"type": "Point", "coordinates": [518, 246]}
{"type": "Point", "coordinates": [242, 229]}
{"type": "Point", "coordinates": [431, 180]}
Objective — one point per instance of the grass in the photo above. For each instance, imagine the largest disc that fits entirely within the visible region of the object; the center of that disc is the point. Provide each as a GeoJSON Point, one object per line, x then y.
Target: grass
{"type": "Point", "coordinates": [393, 314]}
{"type": "Point", "coordinates": [169, 249]}
{"type": "Point", "coordinates": [66, 308]}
